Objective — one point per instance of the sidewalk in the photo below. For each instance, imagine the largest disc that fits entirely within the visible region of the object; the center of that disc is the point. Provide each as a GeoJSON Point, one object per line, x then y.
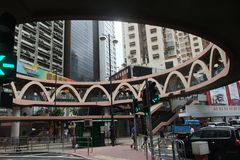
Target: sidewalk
{"type": "Point", "coordinates": [122, 151]}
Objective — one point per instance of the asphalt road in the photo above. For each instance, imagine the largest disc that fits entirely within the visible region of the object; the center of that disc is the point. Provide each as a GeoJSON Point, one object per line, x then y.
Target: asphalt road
{"type": "Point", "coordinates": [40, 156]}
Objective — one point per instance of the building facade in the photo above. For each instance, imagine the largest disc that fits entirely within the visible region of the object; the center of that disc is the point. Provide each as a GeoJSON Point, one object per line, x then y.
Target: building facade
{"type": "Point", "coordinates": [158, 47]}
{"type": "Point", "coordinates": [82, 53]}
{"type": "Point", "coordinates": [42, 44]}
{"type": "Point", "coordinates": [105, 28]}
{"type": "Point", "coordinates": [88, 58]}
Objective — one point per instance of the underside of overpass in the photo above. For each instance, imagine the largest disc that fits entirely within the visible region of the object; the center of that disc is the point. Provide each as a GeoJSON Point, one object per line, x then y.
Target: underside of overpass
{"type": "Point", "coordinates": [213, 20]}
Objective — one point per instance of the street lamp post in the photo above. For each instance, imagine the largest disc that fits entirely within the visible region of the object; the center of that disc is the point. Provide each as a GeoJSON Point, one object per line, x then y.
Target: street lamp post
{"type": "Point", "coordinates": [112, 127]}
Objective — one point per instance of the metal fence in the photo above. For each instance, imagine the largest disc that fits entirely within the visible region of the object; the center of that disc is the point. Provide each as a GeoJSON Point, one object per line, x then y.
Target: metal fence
{"type": "Point", "coordinates": [167, 148]}
{"type": "Point", "coordinates": [44, 144]}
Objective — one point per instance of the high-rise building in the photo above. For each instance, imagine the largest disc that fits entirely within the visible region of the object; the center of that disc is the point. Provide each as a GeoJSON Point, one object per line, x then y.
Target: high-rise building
{"type": "Point", "coordinates": [41, 43]}
{"type": "Point", "coordinates": [88, 58]}
{"type": "Point", "coordinates": [82, 42]}
{"type": "Point", "coordinates": [158, 47]}
{"type": "Point", "coordinates": [105, 28]}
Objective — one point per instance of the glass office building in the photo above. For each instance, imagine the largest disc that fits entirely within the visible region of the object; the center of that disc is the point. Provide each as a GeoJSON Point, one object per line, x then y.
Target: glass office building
{"type": "Point", "coordinates": [83, 57]}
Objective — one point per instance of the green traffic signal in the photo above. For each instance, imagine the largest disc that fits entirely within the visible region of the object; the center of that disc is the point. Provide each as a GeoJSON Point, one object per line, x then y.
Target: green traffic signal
{"type": "Point", "coordinates": [136, 106]}
{"type": "Point", "coordinates": [7, 67]}
{"type": "Point", "coordinates": [155, 99]}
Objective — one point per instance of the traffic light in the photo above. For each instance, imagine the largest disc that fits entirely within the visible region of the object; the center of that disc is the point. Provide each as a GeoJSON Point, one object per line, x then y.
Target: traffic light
{"type": "Point", "coordinates": [144, 97]}
{"type": "Point", "coordinates": [154, 96]}
{"type": "Point", "coordinates": [6, 100]}
{"type": "Point", "coordinates": [136, 106]}
{"type": "Point", "coordinates": [7, 58]}
{"type": "Point", "coordinates": [7, 67]}
{"type": "Point", "coordinates": [144, 101]}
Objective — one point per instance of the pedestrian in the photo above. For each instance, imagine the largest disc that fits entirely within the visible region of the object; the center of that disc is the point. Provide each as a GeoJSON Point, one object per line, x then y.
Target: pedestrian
{"type": "Point", "coordinates": [191, 129]}
{"type": "Point", "coordinates": [145, 138]}
{"type": "Point", "coordinates": [112, 135]}
{"type": "Point", "coordinates": [162, 136]}
{"type": "Point", "coordinates": [133, 136]}
{"type": "Point", "coordinates": [66, 133]}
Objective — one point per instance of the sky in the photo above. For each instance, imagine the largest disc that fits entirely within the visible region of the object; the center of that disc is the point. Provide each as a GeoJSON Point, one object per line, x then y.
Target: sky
{"type": "Point", "coordinates": [119, 45]}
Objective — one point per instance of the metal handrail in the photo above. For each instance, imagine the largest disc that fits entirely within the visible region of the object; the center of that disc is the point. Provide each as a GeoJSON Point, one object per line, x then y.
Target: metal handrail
{"type": "Point", "coordinates": [84, 140]}
{"type": "Point", "coordinates": [181, 149]}
{"type": "Point", "coordinates": [18, 144]}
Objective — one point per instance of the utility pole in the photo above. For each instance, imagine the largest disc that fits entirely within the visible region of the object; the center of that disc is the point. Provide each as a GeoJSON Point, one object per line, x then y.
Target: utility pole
{"type": "Point", "coordinates": [134, 122]}
{"type": "Point", "coordinates": [149, 120]}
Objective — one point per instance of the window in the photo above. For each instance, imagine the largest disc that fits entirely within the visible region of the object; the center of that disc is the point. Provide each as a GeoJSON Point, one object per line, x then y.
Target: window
{"type": "Point", "coordinates": [196, 44]}
{"type": "Point", "coordinates": [169, 64]}
{"type": "Point", "coordinates": [133, 52]}
{"type": "Point", "coordinates": [154, 39]}
{"type": "Point", "coordinates": [209, 134]}
{"type": "Point", "coordinates": [131, 36]}
{"type": "Point", "coordinates": [131, 44]}
{"type": "Point", "coordinates": [134, 60]}
{"type": "Point", "coordinates": [131, 28]}
{"type": "Point", "coordinates": [223, 134]}
{"type": "Point", "coordinates": [195, 38]}
{"type": "Point", "coordinates": [155, 56]}
{"type": "Point", "coordinates": [153, 30]}
{"type": "Point", "coordinates": [155, 47]}
{"type": "Point", "coordinates": [197, 50]}
{"type": "Point", "coordinates": [238, 133]}
{"type": "Point", "coordinates": [196, 135]}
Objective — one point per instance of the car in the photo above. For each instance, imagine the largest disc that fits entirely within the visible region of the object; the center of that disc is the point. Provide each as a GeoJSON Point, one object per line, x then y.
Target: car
{"type": "Point", "coordinates": [235, 122]}
{"type": "Point", "coordinates": [223, 142]}
{"type": "Point", "coordinates": [211, 124]}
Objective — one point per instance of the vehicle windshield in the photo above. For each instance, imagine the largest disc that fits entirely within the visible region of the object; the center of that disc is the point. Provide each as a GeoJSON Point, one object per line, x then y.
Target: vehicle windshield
{"type": "Point", "coordinates": [205, 134]}
{"type": "Point", "coordinates": [235, 122]}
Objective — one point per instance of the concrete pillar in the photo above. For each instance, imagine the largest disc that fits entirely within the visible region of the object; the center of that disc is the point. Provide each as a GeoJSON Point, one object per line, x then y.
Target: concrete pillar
{"type": "Point", "coordinates": [15, 128]}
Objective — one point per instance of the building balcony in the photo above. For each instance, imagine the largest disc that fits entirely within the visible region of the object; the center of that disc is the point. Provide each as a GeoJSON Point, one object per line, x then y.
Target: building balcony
{"type": "Point", "coordinates": [45, 28]}
{"type": "Point", "coordinates": [28, 28]}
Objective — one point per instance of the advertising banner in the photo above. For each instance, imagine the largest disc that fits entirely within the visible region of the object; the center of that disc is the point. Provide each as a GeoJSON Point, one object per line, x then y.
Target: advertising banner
{"type": "Point", "coordinates": [37, 72]}
{"type": "Point", "coordinates": [198, 111]}
{"type": "Point", "coordinates": [234, 94]}
{"type": "Point", "coordinates": [219, 96]}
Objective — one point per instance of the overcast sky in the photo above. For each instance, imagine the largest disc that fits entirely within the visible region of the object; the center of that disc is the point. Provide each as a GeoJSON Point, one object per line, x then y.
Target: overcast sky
{"type": "Point", "coordinates": [119, 45]}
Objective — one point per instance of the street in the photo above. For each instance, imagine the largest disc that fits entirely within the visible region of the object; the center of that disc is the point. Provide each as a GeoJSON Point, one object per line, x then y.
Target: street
{"type": "Point", "coordinates": [40, 156]}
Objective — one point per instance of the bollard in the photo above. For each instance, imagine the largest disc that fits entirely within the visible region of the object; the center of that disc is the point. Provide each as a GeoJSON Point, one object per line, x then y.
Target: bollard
{"type": "Point", "coordinates": [200, 150]}
{"type": "Point", "coordinates": [173, 150]}
{"type": "Point", "coordinates": [88, 144]}
{"type": "Point", "coordinates": [146, 146]}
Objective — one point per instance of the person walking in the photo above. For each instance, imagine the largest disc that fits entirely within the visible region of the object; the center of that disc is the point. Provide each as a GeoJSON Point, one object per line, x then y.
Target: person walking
{"type": "Point", "coordinates": [191, 129]}
{"type": "Point", "coordinates": [162, 136]}
{"type": "Point", "coordinates": [133, 136]}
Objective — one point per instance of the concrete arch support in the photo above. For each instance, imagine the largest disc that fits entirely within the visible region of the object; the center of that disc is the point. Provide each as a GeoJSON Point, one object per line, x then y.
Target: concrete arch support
{"type": "Point", "coordinates": [14, 89]}
{"type": "Point", "coordinates": [204, 67]}
{"type": "Point", "coordinates": [29, 84]}
{"type": "Point", "coordinates": [71, 88]}
{"type": "Point", "coordinates": [93, 87]}
{"type": "Point", "coordinates": [222, 55]}
{"type": "Point", "coordinates": [124, 84]}
{"type": "Point", "coordinates": [179, 75]}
